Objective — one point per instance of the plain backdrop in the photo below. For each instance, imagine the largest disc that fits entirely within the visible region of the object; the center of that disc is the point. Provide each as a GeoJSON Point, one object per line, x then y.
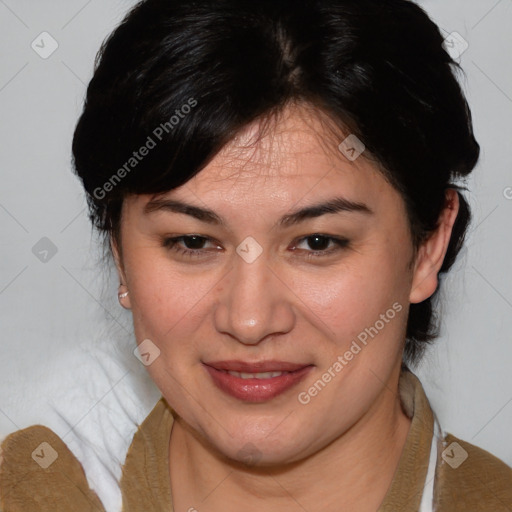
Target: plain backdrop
{"type": "Point", "coordinates": [66, 355]}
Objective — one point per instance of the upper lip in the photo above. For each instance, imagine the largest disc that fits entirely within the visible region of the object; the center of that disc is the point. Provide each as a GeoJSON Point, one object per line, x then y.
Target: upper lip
{"type": "Point", "coordinates": [257, 366]}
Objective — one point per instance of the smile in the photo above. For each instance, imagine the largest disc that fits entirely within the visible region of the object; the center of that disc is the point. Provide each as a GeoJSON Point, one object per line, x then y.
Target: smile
{"type": "Point", "coordinates": [234, 378]}
{"type": "Point", "coordinates": [261, 375]}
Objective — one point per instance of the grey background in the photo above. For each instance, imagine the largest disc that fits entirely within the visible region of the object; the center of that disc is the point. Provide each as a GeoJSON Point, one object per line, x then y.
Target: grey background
{"type": "Point", "coordinates": [66, 352]}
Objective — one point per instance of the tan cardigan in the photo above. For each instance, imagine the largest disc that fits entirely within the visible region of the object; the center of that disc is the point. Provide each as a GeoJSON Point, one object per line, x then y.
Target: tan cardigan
{"type": "Point", "coordinates": [480, 483]}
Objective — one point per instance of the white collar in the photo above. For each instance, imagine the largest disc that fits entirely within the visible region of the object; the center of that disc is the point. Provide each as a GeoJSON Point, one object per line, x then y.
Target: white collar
{"type": "Point", "coordinates": [427, 499]}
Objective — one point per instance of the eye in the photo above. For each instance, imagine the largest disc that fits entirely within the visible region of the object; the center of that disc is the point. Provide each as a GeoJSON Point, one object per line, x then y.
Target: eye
{"type": "Point", "coordinates": [194, 245]}
{"type": "Point", "coordinates": [321, 245]}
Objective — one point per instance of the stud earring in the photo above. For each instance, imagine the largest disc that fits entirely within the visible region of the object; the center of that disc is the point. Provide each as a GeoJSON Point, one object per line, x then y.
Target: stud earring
{"type": "Point", "coordinates": [122, 294]}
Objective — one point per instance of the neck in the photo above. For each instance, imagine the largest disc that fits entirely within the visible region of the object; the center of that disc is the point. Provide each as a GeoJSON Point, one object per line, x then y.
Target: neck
{"type": "Point", "coordinates": [355, 470]}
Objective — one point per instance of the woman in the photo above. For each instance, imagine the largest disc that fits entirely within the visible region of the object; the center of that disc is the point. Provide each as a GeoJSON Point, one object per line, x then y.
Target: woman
{"type": "Point", "coordinates": [276, 181]}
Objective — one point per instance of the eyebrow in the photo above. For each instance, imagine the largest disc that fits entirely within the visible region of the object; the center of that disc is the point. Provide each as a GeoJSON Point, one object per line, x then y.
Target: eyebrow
{"type": "Point", "coordinates": [332, 206]}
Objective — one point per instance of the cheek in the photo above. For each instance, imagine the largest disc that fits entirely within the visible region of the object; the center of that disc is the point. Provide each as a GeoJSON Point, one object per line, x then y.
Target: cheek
{"type": "Point", "coordinates": [352, 297]}
{"type": "Point", "coordinates": [165, 301]}
{"type": "Point", "coordinates": [167, 308]}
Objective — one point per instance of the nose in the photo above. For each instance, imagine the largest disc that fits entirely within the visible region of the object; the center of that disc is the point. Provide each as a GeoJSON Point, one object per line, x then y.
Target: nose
{"type": "Point", "coordinates": [254, 303]}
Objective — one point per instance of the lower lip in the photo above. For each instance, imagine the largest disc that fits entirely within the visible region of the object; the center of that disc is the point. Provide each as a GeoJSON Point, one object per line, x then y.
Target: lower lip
{"type": "Point", "coordinates": [256, 390]}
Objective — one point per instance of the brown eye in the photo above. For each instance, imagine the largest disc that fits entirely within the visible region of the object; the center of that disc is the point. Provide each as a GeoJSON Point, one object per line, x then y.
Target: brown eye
{"type": "Point", "coordinates": [187, 245]}
{"type": "Point", "coordinates": [322, 245]}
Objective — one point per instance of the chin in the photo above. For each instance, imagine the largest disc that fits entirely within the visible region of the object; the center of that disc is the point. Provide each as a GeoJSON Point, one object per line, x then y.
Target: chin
{"type": "Point", "coordinates": [262, 453]}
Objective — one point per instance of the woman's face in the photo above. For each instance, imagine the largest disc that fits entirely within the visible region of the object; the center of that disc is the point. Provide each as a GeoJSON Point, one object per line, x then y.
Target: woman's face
{"type": "Point", "coordinates": [262, 293]}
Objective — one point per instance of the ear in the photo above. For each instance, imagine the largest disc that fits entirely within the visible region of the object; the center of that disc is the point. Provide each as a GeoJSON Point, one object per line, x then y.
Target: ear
{"type": "Point", "coordinates": [117, 253]}
{"type": "Point", "coordinates": [432, 251]}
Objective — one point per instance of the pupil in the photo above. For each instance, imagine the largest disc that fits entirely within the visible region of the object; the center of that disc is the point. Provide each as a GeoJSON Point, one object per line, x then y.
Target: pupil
{"type": "Point", "coordinates": [194, 241]}
{"type": "Point", "coordinates": [323, 242]}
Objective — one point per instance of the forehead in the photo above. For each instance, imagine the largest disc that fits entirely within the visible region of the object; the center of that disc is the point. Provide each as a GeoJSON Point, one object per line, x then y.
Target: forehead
{"type": "Point", "coordinates": [287, 155]}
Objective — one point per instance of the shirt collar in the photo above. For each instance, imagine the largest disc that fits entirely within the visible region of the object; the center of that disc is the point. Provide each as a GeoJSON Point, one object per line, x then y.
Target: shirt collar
{"type": "Point", "coordinates": [406, 488]}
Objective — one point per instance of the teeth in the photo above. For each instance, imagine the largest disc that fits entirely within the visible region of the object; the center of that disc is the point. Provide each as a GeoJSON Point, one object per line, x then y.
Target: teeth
{"type": "Point", "coordinates": [261, 375]}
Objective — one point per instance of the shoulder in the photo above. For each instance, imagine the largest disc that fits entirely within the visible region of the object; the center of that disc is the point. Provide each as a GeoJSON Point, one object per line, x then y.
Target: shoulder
{"type": "Point", "coordinates": [145, 484]}
{"type": "Point", "coordinates": [35, 443]}
{"type": "Point", "coordinates": [39, 472]}
{"type": "Point", "coordinates": [471, 478]}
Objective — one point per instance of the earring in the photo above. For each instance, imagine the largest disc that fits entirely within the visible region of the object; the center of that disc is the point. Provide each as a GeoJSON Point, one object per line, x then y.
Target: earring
{"type": "Point", "coordinates": [122, 294]}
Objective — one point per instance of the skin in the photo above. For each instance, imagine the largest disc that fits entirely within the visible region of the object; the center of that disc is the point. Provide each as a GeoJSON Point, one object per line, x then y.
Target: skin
{"type": "Point", "coordinates": [343, 446]}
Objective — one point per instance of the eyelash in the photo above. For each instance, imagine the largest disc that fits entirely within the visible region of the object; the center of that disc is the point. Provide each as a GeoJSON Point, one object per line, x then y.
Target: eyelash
{"type": "Point", "coordinates": [171, 243]}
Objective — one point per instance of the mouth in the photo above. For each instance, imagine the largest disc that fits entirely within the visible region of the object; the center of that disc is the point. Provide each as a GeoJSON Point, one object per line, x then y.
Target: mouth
{"type": "Point", "coordinates": [256, 382]}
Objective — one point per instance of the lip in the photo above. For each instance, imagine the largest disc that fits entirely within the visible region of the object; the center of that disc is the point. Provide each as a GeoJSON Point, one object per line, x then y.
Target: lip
{"type": "Point", "coordinates": [253, 389]}
{"type": "Point", "coordinates": [257, 366]}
